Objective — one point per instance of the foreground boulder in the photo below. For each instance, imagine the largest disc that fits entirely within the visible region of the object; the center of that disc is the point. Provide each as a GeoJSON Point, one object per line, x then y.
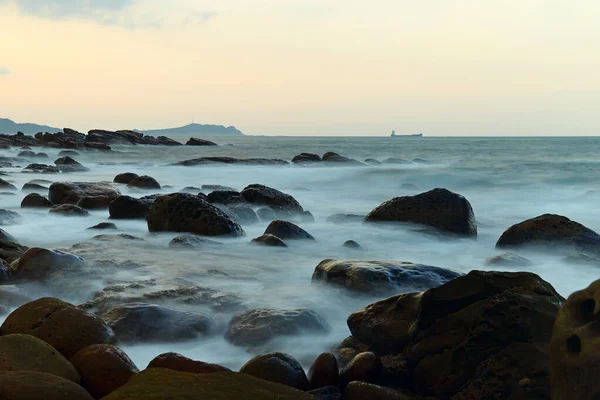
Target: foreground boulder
{"type": "Point", "coordinates": [137, 322]}
{"type": "Point", "coordinates": [39, 264]}
{"type": "Point", "coordinates": [161, 383]}
{"type": "Point", "coordinates": [103, 368]}
{"type": "Point", "coordinates": [183, 212]}
{"type": "Point", "coordinates": [550, 231]}
{"type": "Point", "coordinates": [381, 276]}
{"type": "Point", "coordinates": [261, 195]}
{"type": "Point", "coordinates": [35, 200]}
{"type": "Point", "coordinates": [481, 336]}
{"type": "Point", "coordinates": [88, 195]}
{"type": "Point", "coordinates": [324, 372]}
{"type": "Point", "coordinates": [257, 327]}
{"type": "Point", "coordinates": [277, 367]}
{"type": "Point", "coordinates": [28, 353]}
{"type": "Point", "coordinates": [574, 357]}
{"type": "Point", "coordinates": [127, 207]}
{"type": "Point", "coordinates": [439, 208]}
{"type": "Point", "coordinates": [287, 230]}
{"type": "Point", "coordinates": [177, 362]}
{"type": "Point", "coordinates": [34, 385]}
{"type": "Point", "coordinates": [67, 328]}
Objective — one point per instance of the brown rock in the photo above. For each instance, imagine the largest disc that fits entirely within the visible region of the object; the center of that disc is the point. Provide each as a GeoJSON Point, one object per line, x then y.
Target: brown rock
{"type": "Point", "coordinates": [277, 367]}
{"type": "Point", "coordinates": [262, 195]}
{"type": "Point", "coordinates": [88, 194]}
{"type": "Point", "coordinates": [177, 362]}
{"type": "Point", "coordinates": [69, 210]}
{"type": "Point", "coordinates": [33, 385]}
{"type": "Point", "coordinates": [268, 240]}
{"type": "Point", "coordinates": [38, 263]}
{"type": "Point", "coordinates": [34, 200]}
{"type": "Point", "coordinates": [287, 230]}
{"type": "Point", "coordinates": [125, 177]}
{"type": "Point", "coordinates": [144, 182]}
{"type": "Point", "coordinates": [324, 372]}
{"type": "Point", "coordinates": [364, 367]}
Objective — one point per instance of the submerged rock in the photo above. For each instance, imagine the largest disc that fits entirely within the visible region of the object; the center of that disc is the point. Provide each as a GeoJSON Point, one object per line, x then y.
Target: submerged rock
{"type": "Point", "coordinates": [41, 168]}
{"type": "Point", "coordinates": [332, 157]}
{"type": "Point", "coordinates": [69, 210]}
{"type": "Point", "coordinates": [84, 194]}
{"type": "Point", "coordinates": [306, 158]}
{"type": "Point", "coordinates": [67, 164]}
{"type": "Point", "coordinates": [261, 195]}
{"type": "Point", "coordinates": [438, 208]}
{"type": "Point", "coordinates": [144, 182]}
{"type": "Point", "coordinates": [39, 264]}
{"type": "Point", "coordinates": [351, 244]}
{"type": "Point", "coordinates": [32, 187]}
{"type": "Point", "coordinates": [199, 142]}
{"type": "Point", "coordinates": [241, 213]}
{"type": "Point", "coordinates": [8, 217]}
{"type": "Point", "coordinates": [287, 230]}
{"type": "Point", "coordinates": [508, 260]}
{"type": "Point", "coordinates": [34, 200]}
{"type": "Point", "coordinates": [277, 367]}
{"type": "Point", "coordinates": [268, 240]}
{"type": "Point", "coordinates": [104, 226]}
{"type": "Point", "coordinates": [125, 177]}
{"type": "Point", "coordinates": [230, 160]}
{"type": "Point", "coordinates": [582, 259]}
{"type": "Point", "coordinates": [192, 242]}
{"type": "Point", "coordinates": [4, 185]}
{"type": "Point", "coordinates": [381, 276]}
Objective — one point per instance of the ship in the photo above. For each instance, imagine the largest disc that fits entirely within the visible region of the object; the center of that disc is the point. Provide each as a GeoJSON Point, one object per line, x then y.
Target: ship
{"type": "Point", "coordinates": [414, 135]}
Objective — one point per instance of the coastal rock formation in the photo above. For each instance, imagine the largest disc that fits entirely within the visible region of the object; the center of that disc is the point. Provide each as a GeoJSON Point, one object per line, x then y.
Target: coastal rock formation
{"type": "Point", "coordinates": [287, 230]}
{"type": "Point", "coordinates": [257, 327]}
{"type": "Point", "coordinates": [177, 362]}
{"type": "Point", "coordinates": [191, 242]}
{"type": "Point", "coordinates": [127, 207]}
{"type": "Point", "coordinates": [230, 160]}
{"type": "Point", "coordinates": [41, 168]}
{"type": "Point", "coordinates": [277, 367]}
{"type": "Point", "coordinates": [261, 195]}
{"type": "Point", "coordinates": [182, 212]}
{"type": "Point", "coordinates": [199, 142]}
{"type": "Point", "coordinates": [381, 276]}
{"type": "Point", "coordinates": [33, 187]}
{"type": "Point", "coordinates": [226, 197]}
{"type": "Point", "coordinates": [483, 335]}
{"type": "Point", "coordinates": [439, 208]}
{"type": "Point", "coordinates": [104, 226]}
{"type": "Point", "coordinates": [10, 249]}
{"type": "Point", "coordinates": [364, 367]}
{"type": "Point", "coordinates": [90, 195]}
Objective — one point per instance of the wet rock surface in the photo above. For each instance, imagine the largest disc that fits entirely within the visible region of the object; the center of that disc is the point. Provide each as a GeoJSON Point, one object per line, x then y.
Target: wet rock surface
{"type": "Point", "coordinates": [177, 362]}
{"type": "Point", "coordinates": [287, 231]}
{"type": "Point", "coordinates": [89, 195]}
{"type": "Point", "coordinates": [277, 367]}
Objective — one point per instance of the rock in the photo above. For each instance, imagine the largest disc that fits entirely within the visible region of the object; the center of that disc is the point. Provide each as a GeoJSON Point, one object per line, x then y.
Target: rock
{"type": "Point", "coordinates": [199, 142]}
{"type": "Point", "coordinates": [33, 187]}
{"type": "Point", "coordinates": [363, 367]}
{"type": "Point", "coordinates": [69, 210]}
{"type": "Point", "coordinates": [550, 231]}
{"type": "Point", "coordinates": [306, 158]}
{"type": "Point", "coordinates": [277, 367]}
{"type": "Point", "coordinates": [362, 390]}
{"type": "Point", "coordinates": [39, 264]}
{"type": "Point", "coordinates": [306, 216]}
{"type": "Point", "coordinates": [269, 240]}
{"type": "Point", "coordinates": [104, 226]}
{"type": "Point", "coordinates": [125, 177]}
{"type": "Point", "coordinates": [230, 160]}
{"type": "Point", "coordinates": [216, 187]}
{"type": "Point", "coordinates": [287, 230]}
{"type": "Point", "coordinates": [242, 214]}
{"type": "Point", "coordinates": [324, 372]}
{"type": "Point", "coordinates": [331, 157]}
{"type": "Point", "coordinates": [372, 161]}
{"type": "Point", "coordinates": [4, 185]}
{"type": "Point", "coordinates": [257, 327]}
{"type": "Point", "coordinates": [67, 164]}
{"type": "Point", "coordinates": [8, 217]}
{"type": "Point", "coordinates": [327, 393]}
{"type": "Point", "coordinates": [26, 153]}
{"type": "Point", "coordinates": [351, 244]}
{"type": "Point", "coordinates": [508, 260]}
{"type": "Point", "coordinates": [10, 249]}
{"type": "Point", "coordinates": [478, 336]}
{"type": "Point", "coordinates": [120, 236]}
{"type": "Point", "coordinates": [28, 353]}
{"type": "Point", "coordinates": [162, 383]}
{"type": "Point", "coordinates": [346, 218]}
{"type": "Point", "coordinates": [381, 276]}
{"type": "Point", "coordinates": [582, 259]}
{"type": "Point", "coordinates": [139, 322]}
{"type": "Point", "coordinates": [127, 207]}
{"type": "Point", "coordinates": [33, 385]}
{"type": "Point", "coordinates": [225, 197]}
{"type": "Point", "coordinates": [97, 146]}
{"type": "Point", "coordinates": [395, 160]}
{"type": "Point", "coordinates": [71, 153]}
{"type": "Point", "coordinates": [41, 168]}
{"type": "Point", "coordinates": [65, 327]}
{"type": "Point", "coordinates": [177, 362]}
{"type": "Point", "coordinates": [182, 212]}
{"type": "Point", "coordinates": [439, 208]}
{"type": "Point", "coordinates": [191, 242]}
{"type": "Point", "coordinates": [34, 200]}
{"type": "Point", "coordinates": [144, 182]}
{"type": "Point", "coordinates": [103, 368]}
{"type": "Point", "coordinates": [266, 214]}
{"type": "Point", "coordinates": [88, 195]}
{"type": "Point", "coordinates": [261, 195]}
{"type": "Point", "coordinates": [573, 348]}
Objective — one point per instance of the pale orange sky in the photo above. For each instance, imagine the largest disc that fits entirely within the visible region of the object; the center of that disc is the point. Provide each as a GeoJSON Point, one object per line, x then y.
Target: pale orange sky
{"type": "Point", "coordinates": [305, 67]}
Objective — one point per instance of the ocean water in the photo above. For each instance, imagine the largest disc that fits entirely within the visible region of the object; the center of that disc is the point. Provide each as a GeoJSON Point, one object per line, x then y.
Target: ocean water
{"type": "Point", "coordinates": [506, 181]}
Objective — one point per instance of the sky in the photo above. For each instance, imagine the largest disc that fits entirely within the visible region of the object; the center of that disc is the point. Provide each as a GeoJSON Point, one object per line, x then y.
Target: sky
{"type": "Point", "coordinates": [305, 67]}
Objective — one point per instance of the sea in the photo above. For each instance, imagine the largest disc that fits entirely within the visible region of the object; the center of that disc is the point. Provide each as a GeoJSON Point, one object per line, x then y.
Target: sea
{"type": "Point", "coordinates": [506, 180]}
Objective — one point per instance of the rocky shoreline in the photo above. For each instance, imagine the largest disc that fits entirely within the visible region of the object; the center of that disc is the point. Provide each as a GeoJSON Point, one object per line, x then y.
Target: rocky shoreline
{"type": "Point", "coordinates": [434, 334]}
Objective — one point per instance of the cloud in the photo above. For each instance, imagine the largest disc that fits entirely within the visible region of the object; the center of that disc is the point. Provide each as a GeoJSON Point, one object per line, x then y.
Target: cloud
{"type": "Point", "coordinates": [59, 9]}
{"type": "Point", "coordinates": [4, 71]}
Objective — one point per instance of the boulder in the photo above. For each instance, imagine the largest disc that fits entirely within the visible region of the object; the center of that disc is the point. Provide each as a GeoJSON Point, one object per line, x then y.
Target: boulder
{"type": "Point", "coordinates": [277, 367]}
{"type": "Point", "coordinates": [266, 214]}
{"type": "Point", "coordinates": [268, 240]}
{"type": "Point", "coordinates": [34, 200]}
{"type": "Point", "coordinates": [287, 230]}
{"type": "Point", "coordinates": [182, 212]}
{"type": "Point", "coordinates": [67, 164]}
{"type": "Point", "coordinates": [28, 353]}
{"type": "Point", "coordinates": [84, 194]}
{"type": "Point", "coordinates": [230, 160]}
{"type": "Point", "coordinates": [103, 368]}
{"type": "Point", "coordinates": [120, 236]}
{"type": "Point", "coordinates": [26, 154]}
{"type": "Point", "coordinates": [62, 325]}
{"type": "Point", "coordinates": [33, 187]}
{"type": "Point", "coordinates": [226, 197]}
{"type": "Point", "coordinates": [363, 367]}
{"type": "Point", "coordinates": [104, 226]}
{"type": "Point", "coordinates": [199, 142]}
{"type": "Point", "coordinates": [381, 276]}
{"type": "Point", "coordinates": [306, 216]}
{"type": "Point", "coordinates": [241, 213]}
{"type": "Point", "coordinates": [41, 168]}
{"type": "Point", "coordinates": [331, 157]}
{"type": "Point", "coordinates": [261, 195]}
{"type": "Point", "coordinates": [40, 264]}
{"type": "Point", "coordinates": [439, 208]}
{"type": "Point", "coordinates": [69, 210]}
{"type": "Point", "coordinates": [550, 231]}
{"type": "Point", "coordinates": [162, 383]}
{"type": "Point", "coordinates": [351, 244]}
{"type": "Point", "coordinates": [191, 242]}
{"type": "Point", "coordinates": [4, 185]}
{"type": "Point", "coordinates": [127, 207]}
{"type": "Point", "coordinates": [372, 161]}
{"type": "Point", "coordinates": [177, 362]}
{"type": "Point", "coordinates": [10, 249]}
{"type": "Point", "coordinates": [34, 385]}
{"type": "Point", "coordinates": [125, 177]}
{"type": "Point", "coordinates": [480, 336]}
{"type": "Point", "coordinates": [71, 153]}
{"type": "Point", "coordinates": [144, 182]}
{"type": "Point", "coordinates": [216, 187]}
{"type": "Point", "coordinates": [259, 326]}
{"type": "Point", "coordinates": [324, 372]}
{"type": "Point", "coordinates": [140, 322]}
{"type": "Point", "coordinates": [306, 158]}
{"type": "Point", "coordinates": [582, 259]}
{"type": "Point", "coordinates": [508, 260]}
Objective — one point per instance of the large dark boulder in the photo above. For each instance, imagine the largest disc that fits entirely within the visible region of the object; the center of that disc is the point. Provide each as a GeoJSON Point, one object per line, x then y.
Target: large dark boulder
{"type": "Point", "coordinates": [277, 367]}
{"type": "Point", "coordinates": [125, 177]}
{"type": "Point", "coordinates": [226, 197]}
{"type": "Point", "coordinates": [306, 158]}
{"type": "Point", "coordinates": [439, 208]}
{"type": "Point", "coordinates": [88, 195]}
{"type": "Point", "coordinates": [144, 182]}
{"type": "Point", "coordinates": [10, 250]}
{"type": "Point", "coordinates": [139, 322]}
{"type": "Point", "coordinates": [481, 336]}
{"type": "Point", "coordinates": [257, 327]}
{"type": "Point", "coordinates": [287, 230]}
{"type": "Point", "coordinates": [182, 212]}
{"type": "Point", "coordinates": [551, 232]}
{"type": "Point", "coordinates": [381, 276]}
{"type": "Point", "coordinates": [324, 372]}
{"type": "Point", "coordinates": [268, 240]}
{"type": "Point", "coordinates": [34, 385]}
{"type": "Point", "coordinates": [335, 158]}
{"type": "Point", "coordinates": [41, 264]}
{"type": "Point", "coordinates": [261, 195]}
{"type": "Point", "coordinates": [67, 164]}
{"type": "Point", "coordinates": [199, 142]}
{"type": "Point", "coordinates": [127, 207]}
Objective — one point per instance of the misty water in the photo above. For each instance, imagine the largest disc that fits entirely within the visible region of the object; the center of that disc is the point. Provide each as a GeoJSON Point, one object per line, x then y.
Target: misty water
{"type": "Point", "coordinates": [506, 181]}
